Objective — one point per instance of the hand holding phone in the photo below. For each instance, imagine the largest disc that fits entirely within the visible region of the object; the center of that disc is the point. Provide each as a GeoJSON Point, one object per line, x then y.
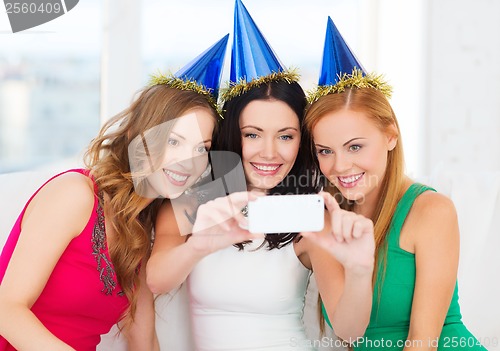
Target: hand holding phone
{"type": "Point", "coordinates": [220, 224]}
{"type": "Point", "coordinates": [350, 238]}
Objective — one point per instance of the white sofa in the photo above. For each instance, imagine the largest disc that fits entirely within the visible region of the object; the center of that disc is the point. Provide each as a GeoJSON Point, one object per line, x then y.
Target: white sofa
{"type": "Point", "coordinates": [477, 198]}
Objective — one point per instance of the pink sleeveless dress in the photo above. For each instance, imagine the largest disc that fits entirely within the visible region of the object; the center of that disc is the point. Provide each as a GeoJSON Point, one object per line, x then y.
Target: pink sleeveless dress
{"type": "Point", "coordinates": [82, 298]}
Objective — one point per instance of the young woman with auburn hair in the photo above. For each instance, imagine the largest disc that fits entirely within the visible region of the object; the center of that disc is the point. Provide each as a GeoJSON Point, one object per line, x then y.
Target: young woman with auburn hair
{"type": "Point", "coordinates": [359, 151]}
{"type": "Point", "coordinates": [75, 261]}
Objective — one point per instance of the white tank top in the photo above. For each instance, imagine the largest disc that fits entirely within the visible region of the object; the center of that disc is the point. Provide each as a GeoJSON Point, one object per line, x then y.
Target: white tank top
{"type": "Point", "coordinates": [249, 300]}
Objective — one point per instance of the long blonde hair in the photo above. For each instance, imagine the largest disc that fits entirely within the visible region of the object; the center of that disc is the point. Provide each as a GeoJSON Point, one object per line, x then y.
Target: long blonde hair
{"type": "Point", "coordinates": [133, 216]}
{"type": "Point", "coordinates": [376, 107]}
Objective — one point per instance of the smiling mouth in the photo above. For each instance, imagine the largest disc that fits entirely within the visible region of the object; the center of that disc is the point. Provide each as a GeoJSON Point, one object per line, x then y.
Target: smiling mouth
{"type": "Point", "coordinates": [266, 169]}
{"type": "Point", "coordinates": [176, 178]}
{"type": "Point", "coordinates": [350, 181]}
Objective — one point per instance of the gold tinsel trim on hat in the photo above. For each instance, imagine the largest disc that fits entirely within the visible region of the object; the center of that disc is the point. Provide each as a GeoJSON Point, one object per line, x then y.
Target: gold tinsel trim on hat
{"type": "Point", "coordinates": [181, 84]}
{"type": "Point", "coordinates": [354, 80]}
{"type": "Point", "coordinates": [242, 86]}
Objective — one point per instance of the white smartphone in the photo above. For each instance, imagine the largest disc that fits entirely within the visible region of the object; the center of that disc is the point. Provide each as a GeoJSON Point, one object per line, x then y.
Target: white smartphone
{"type": "Point", "coordinates": [286, 213]}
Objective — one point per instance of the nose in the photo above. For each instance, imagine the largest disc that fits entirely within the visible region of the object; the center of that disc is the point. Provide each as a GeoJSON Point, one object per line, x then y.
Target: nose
{"type": "Point", "coordinates": [187, 163]}
{"type": "Point", "coordinates": [268, 150]}
{"type": "Point", "coordinates": [183, 157]}
{"type": "Point", "coordinates": [342, 163]}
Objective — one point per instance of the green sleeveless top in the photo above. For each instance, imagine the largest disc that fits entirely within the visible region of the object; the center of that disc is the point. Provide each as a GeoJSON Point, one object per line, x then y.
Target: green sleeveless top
{"type": "Point", "coordinates": [393, 295]}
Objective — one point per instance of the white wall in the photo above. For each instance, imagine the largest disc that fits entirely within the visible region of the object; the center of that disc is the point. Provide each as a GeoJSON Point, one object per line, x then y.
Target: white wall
{"type": "Point", "coordinates": [462, 116]}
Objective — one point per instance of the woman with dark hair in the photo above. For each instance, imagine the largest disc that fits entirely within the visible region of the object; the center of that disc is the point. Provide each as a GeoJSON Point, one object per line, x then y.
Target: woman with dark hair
{"type": "Point", "coordinates": [301, 178]}
{"type": "Point", "coordinates": [247, 291]}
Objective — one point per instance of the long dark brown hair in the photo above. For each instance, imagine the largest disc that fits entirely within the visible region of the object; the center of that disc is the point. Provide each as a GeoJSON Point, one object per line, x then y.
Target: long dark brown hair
{"type": "Point", "coordinates": [303, 177]}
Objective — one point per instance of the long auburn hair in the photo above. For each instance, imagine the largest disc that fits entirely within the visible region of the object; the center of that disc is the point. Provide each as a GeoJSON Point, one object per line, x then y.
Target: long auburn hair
{"type": "Point", "coordinates": [228, 138]}
{"type": "Point", "coordinates": [133, 216]}
{"type": "Point", "coordinates": [377, 108]}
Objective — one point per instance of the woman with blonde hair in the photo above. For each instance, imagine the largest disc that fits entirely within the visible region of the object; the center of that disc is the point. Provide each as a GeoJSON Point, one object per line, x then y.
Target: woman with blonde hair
{"type": "Point", "coordinates": [74, 263]}
{"type": "Point", "coordinates": [358, 146]}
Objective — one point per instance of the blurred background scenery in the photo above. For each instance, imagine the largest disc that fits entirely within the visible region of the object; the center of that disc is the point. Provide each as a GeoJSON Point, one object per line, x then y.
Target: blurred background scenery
{"type": "Point", "coordinates": [59, 81]}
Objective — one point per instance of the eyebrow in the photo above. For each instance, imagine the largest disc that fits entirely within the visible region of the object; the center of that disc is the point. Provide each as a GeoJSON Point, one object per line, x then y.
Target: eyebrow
{"type": "Point", "coordinates": [180, 136]}
{"type": "Point", "coordinates": [183, 138]}
{"type": "Point", "coordinates": [347, 142]}
{"type": "Point", "coordinates": [261, 130]}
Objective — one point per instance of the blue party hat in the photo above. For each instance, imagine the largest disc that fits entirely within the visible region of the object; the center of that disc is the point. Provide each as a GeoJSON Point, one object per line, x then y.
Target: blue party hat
{"type": "Point", "coordinates": [338, 59]}
{"type": "Point", "coordinates": [253, 61]}
{"type": "Point", "coordinates": [341, 69]}
{"type": "Point", "coordinates": [203, 74]}
{"type": "Point", "coordinates": [206, 69]}
{"type": "Point", "coordinates": [251, 56]}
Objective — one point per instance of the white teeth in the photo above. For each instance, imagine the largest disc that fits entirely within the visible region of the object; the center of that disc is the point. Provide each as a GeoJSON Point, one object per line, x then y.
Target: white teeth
{"type": "Point", "coordinates": [266, 168]}
{"type": "Point", "coordinates": [176, 177]}
{"type": "Point", "coordinates": [350, 179]}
